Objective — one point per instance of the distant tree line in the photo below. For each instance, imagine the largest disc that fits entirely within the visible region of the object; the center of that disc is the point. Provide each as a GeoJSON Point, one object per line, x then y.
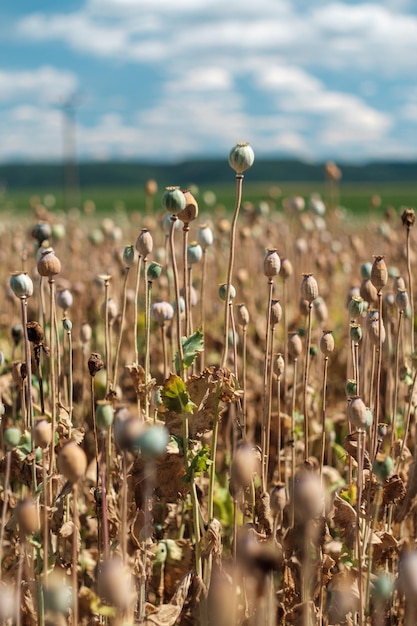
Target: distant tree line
{"type": "Point", "coordinates": [200, 172]}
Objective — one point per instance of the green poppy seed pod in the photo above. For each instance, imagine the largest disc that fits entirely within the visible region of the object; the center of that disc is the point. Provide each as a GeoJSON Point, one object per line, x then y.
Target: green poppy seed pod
{"type": "Point", "coordinates": [167, 223]}
{"type": "Point", "coordinates": [327, 342]}
{"type": "Point", "coordinates": [357, 413]}
{"type": "Point", "coordinates": [402, 301]}
{"type": "Point", "coordinates": [294, 345]}
{"type": "Point", "coordinates": [41, 232]}
{"type": "Point", "coordinates": [129, 255]}
{"type": "Point", "coordinates": [366, 269]}
{"type": "Point", "coordinates": [223, 292]}
{"type": "Point", "coordinates": [154, 271]}
{"type": "Point", "coordinates": [357, 306]}
{"type": "Point", "coordinates": [320, 310]}
{"type": "Point", "coordinates": [272, 263]}
{"type": "Point", "coordinates": [42, 433]}
{"type": "Point", "coordinates": [309, 288]}
{"type": "Point", "coordinates": [21, 284]}
{"type": "Point", "coordinates": [86, 332]}
{"type": "Point", "coordinates": [182, 305]}
{"type": "Point", "coordinates": [58, 231]}
{"type": "Point", "coordinates": [242, 315]}
{"type": "Point", "coordinates": [26, 515]}
{"type": "Point", "coordinates": [241, 157]}
{"type": "Point", "coordinates": [173, 200]}
{"type": "Point", "coordinates": [355, 332]}
{"type": "Point", "coordinates": [286, 268]}
{"type": "Point", "coordinates": [104, 415]}
{"type": "Point", "coordinates": [190, 211]}
{"type": "Point", "coordinates": [72, 461]}
{"type": "Point", "coordinates": [382, 467]}
{"type": "Point", "coordinates": [64, 299]}
{"type": "Point", "coordinates": [144, 243]}
{"type": "Point", "coordinates": [162, 312]}
{"type": "Point", "coordinates": [351, 388]}
{"type": "Point", "coordinates": [278, 365]}
{"type": "Point", "coordinates": [194, 253]}
{"type": "Point", "coordinates": [58, 594]}
{"type": "Point", "coordinates": [153, 441]}
{"type": "Point", "coordinates": [379, 273]}
{"type": "Point", "coordinates": [205, 236]}
{"type": "Point", "coordinates": [368, 291]}
{"type": "Point", "coordinates": [383, 588]}
{"type": "Point", "coordinates": [11, 437]}
{"type": "Point", "coordinates": [48, 264]}
{"type": "Point", "coordinates": [275, 313]}
{"type": "Point", "coordinates": [67, 324]}
{"type": "Point", "coordinates": [17, 333]}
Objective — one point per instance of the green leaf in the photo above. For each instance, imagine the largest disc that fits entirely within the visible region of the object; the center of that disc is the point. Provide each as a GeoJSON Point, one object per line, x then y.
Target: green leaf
{"type": "Point", "coordinates": [191, 346]}
{"type": "Point", "coordinates": [200, 463]}
{"type": "Point", "coordinates": [175, 396]}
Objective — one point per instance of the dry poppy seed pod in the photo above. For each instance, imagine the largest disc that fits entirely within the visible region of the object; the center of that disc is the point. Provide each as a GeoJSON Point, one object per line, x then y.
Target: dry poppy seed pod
{"type": "Point", "coordinates": [190, 211]}
{"type": "Point", "coordinates": [27, 516]}
{"type": "Point", "coordinates": [309, 498]}
{"type": "Point", "coordinates": [173, 200]}
{"type": "Point", "coordinates": [278, 499]}
{"type": "Point", "coordinates": [35, 333]}
{"type": "Point", "coordinates": [112, 311]}
{"type": "Point", "coordinates": [407, 575]}
{"type": "Point", "coordinates": [48, 264]}
{"type": "Point", "coordinates": [64, 299]}
{"type": "Point", "coordinates": [303, 307]}
{"type": "Point", "coordinates": [408, 217]}
{"type": "Point", "coordinates": [241, 157]}
{"type": "Point", "coordinates": [357, 413]}
{"type": "Point", "coordinates": [151, 187]}
{"type": "Point", "coordinates": [205, 236]}
{"type": "Point", "coordinates": [72, 461]}
{"type": "Point", "coordinates": [327, 343]}
{"type": "Point", "coordinates": [379, 273]}
{"type": "Point", "coordinates": [401, 300]}
{"type": "Point", "coordinates": [399, 283]}
{"type": "Point", "coordinates": [295, 345]}
{"type": "Point", "coordinates": [286, 269]}
{"type": "Point", "coordinates": [272, 263]}
{"type": "Point", "coordinates": [275, 312]}
{"type": "Point", "coordinates": [309, 288]}
{"type": "Point", "coordinates": [194, 253]}
{"type": "Point", "coordinates": [95, 363]}
{"type": "Point", "coordinates": [278, 365]}
{"type": "Point", "coordinates": [144, 243]}
{"type": "Point", "coordinates": [42, 433]}
{"type": "Point", "coordinates": [86, 332]}
{"type": "Point", "coordinates": [245, 464]}
{"type": "Point", "coordinates": [320, 310]}
{"type": "Point", "coordinates": [116, 584]}
{"type": "Point", "coordinates": [242, 315]}
{"type": "Point", "coordinates": [162, 312]}
{"type": "Point", "coordinates": [21, 284]}
{"type": "Point", "coordinates": [368, 291]}
{"type": "Point", "coordinates": [374, 329]}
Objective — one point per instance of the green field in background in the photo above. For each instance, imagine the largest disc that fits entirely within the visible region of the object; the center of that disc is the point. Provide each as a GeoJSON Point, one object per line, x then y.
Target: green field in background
{"type": "Point", "coordinates": [353, 196]}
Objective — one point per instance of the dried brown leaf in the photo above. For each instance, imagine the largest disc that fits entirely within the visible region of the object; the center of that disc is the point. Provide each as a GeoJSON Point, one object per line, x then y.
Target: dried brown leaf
{"type": "Point", "coordinates": [167, 614]}
{"type": "Point", "coordinates": [345, 520]}
{"type": "Point", "coordinates": [393, 490]}
{"type": "Point", "coordinates": [350, 444]}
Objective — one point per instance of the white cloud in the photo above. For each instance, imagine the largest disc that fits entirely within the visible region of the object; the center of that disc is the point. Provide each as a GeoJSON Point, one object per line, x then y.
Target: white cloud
{"type": "Point", "coordinates": [44, 84]}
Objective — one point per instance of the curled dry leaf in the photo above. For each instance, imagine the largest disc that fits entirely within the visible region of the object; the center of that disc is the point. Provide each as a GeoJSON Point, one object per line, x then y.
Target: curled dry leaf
{"type": "Point", "coordinates": [167, 614]}
{"type": "Point", "coordinates": [393, 490]}
{"type": "Point", "coordinates": [350, 444]}
{"type": "Point", "coordinates": [345, 520]}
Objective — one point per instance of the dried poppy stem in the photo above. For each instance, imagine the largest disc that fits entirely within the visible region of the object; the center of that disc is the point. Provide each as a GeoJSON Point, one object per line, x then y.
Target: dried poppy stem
{"type": "Point", "coordinates": [122, 322]}
{"type": "Point", "coordinates": [177, 294]}
{"type": "Point", "coordinates": [359, 479]}
{"type": "Point", "coordinates": [147, 342]}
{"type": "Point", "coordinates": [239, 185]}
{"type": "Point", "coordinates": [5, 505]}
{"type": "Point", "coordinates": [323, 414]}
{"type": "Point", "coordinates": [52, 313]}
{"type": "Point", "coordinates": [202, 301]}
{"type": "Point", "coordinates": [292, 442]}
{"type": "Point", "coordinates": [136, 307]}
{"type": "Point", "coordinates": [306, 379]}
{"type": "Point", "coordinates": [396, 369]}
{"type": "Point", "coordinates": [76, 522]}
{"type": "Point", "coordinates": [264, 438]}
{"type": "Point", "coordinates": [186, 286]}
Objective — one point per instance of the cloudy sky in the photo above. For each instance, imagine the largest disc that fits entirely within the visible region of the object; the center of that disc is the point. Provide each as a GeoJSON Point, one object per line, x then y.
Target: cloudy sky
{"type": "Point", "coordinates": [166, 80]}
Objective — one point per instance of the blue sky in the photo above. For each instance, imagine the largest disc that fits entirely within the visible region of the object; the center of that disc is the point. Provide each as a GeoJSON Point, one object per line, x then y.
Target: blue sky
{"type": "Point", "coordinates": [166, 80]}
